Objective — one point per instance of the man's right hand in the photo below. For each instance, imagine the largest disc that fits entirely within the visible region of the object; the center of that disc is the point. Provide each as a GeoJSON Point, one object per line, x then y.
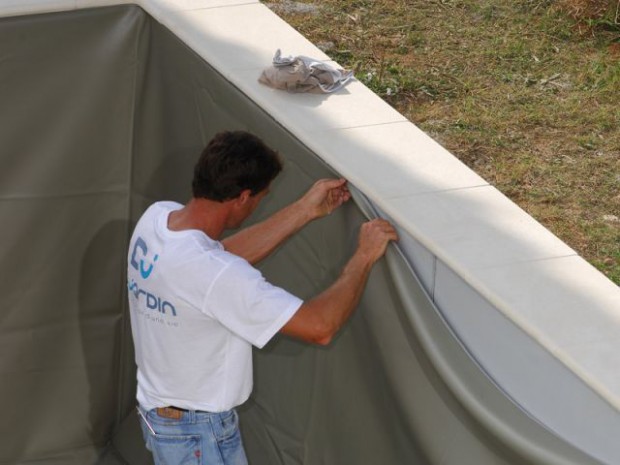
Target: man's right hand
{"type": "Point", "coordinates": [374, 237]}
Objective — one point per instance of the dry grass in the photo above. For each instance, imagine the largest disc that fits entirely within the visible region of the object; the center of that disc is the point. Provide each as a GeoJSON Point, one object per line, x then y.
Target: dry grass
{"type": "Point", "coordinates": [586, 10]}
{"type": "Point", "coordinates": [524, 92]}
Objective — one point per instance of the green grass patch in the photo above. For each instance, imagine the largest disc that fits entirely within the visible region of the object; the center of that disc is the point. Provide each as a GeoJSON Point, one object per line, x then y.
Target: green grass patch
{"type": "Point", "coordinates": [526, 93]}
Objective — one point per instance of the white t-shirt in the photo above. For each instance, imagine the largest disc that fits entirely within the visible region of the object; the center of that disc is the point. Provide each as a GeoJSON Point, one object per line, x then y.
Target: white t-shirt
{"type": "Point", "coordinates": [196, 310]}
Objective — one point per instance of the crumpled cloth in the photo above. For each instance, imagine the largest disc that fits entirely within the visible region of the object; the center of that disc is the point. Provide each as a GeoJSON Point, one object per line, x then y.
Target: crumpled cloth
{"type": "Point", "coordinates": [303, 74]}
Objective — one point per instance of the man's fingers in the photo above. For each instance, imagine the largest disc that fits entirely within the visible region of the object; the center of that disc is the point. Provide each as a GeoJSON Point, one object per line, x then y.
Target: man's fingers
{"type": "Point", "coordinates": [383, 225]}
{"type": "Point", "coordinates": [336, 186]}
{"type": "Point", "coordinates": [332, 183]}
{"type": "Point", "coordinates": [375, 237]}
{"type": "Point", "coordinates": [385, 229]}
{"type": "Point", "coordinates": [330, 194]}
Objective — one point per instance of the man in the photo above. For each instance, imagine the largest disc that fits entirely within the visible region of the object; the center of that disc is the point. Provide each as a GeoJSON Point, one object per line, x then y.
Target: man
{"type": "Point", "coordinates": [198, 305]}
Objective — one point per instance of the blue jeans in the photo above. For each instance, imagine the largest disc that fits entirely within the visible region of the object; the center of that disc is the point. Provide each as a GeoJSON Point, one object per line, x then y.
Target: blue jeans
{"type": "Point", "coordinates": [196, 438]}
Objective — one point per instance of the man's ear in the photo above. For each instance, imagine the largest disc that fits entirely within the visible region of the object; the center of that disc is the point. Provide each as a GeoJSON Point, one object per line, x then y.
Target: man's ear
{"type": "Point", "coordinates": [244, 196]}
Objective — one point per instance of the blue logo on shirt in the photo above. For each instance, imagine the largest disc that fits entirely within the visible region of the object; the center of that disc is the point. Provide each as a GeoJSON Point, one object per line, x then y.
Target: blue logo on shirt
{"type": "Point", "coordinates": [144, 266]}
{"type": "Point", "coordinates": [152, 301]}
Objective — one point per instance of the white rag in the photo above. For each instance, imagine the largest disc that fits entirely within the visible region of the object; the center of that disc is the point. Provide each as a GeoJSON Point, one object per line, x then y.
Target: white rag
{"type": "Point", "coordinates": [303, 74]}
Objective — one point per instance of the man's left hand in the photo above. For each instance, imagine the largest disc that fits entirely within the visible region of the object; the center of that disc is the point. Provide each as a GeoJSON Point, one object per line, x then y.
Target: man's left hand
{"type": "Point", "coordinates": [325, 196]}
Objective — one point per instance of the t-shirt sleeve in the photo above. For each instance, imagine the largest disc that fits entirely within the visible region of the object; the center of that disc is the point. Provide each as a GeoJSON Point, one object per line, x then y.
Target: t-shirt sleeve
{"type": "Point", "coordinates": [242, 300]}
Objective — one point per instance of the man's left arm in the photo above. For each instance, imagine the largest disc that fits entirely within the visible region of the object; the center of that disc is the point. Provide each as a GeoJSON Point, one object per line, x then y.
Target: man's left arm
{"type": "Point", "coordinates": [257, 241]}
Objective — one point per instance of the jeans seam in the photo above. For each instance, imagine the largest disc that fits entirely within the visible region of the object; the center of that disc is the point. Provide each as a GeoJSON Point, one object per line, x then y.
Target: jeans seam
{"type": "Point", "coordinates": [217, 442]}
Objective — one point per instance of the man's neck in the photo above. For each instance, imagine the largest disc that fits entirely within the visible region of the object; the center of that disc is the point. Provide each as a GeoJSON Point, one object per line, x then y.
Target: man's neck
{"type": "Point", "coordinates": [205, 215]}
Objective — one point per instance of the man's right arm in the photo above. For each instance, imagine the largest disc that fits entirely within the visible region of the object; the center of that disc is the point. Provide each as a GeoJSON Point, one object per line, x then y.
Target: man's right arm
{"type": "Point", "coordinates": [259, 240]}
{"type": "Point", "coordinates": [320, 318]}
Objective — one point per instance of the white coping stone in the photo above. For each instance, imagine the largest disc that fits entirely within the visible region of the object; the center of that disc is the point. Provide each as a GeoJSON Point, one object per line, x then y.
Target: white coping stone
{"type": "Point", "coordinates": [238, 37]}
{"type": "Point", "coordinates": [409, 161]}
{"type": "Point", "coordinates": [474, 228]}
{"type": "Point", "coordinates": [570, 308]}
{"type": "Point", "coordinates": [309, 116]}
{"type": "Point", "coordinates": [82, 4]}
{"type": "Point", "coordinates": [158, 8]}
{"type": "Point", "coordinates": [185, 5]}
{"type": "Point", "coordinates": [24, 7]}
{"type": "Point", "coordinates": [164, 10]}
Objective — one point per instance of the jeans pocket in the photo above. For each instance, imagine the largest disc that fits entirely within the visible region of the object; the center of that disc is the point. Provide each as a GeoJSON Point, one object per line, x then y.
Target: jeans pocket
{"type": "Point", "coordinates": [176, 449]}
{"type": "Point", "coordinates": [229, 426]}
{"type": "Point", "coordinates": [229, 440]}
